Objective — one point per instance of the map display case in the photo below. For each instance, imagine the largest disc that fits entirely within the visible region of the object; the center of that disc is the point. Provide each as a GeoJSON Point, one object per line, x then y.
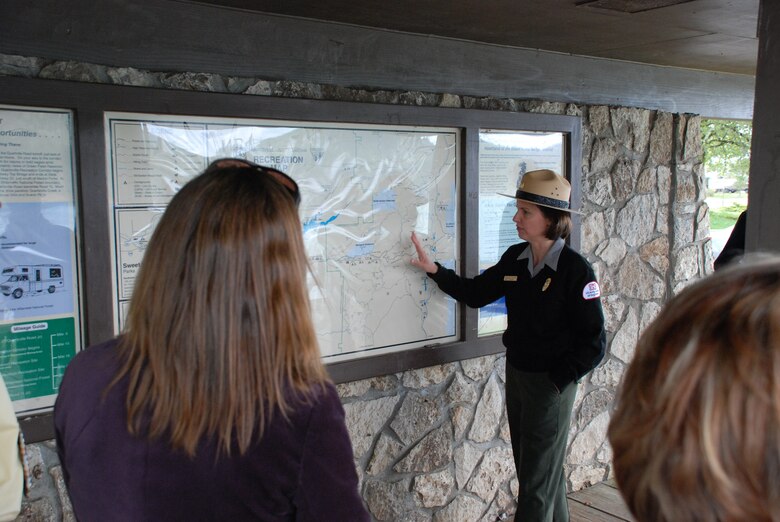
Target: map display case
{"type": "Point", "coordinates": [364, 190]}
{"type": "Point", "coordinates": [369, 174]}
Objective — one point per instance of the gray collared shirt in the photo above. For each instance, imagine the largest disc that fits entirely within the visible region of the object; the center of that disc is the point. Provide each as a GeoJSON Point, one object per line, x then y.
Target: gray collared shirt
{"type": "Point", "coordinates": [550, 259]}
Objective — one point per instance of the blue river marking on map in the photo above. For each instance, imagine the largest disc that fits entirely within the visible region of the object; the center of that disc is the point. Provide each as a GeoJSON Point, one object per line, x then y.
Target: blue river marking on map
{"type": "Point", "coordinates": [315, 222]}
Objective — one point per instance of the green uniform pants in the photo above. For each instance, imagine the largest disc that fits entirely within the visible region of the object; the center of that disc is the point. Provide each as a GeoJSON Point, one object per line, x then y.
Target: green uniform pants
{"type": "Point", "coordinates": [539, 418]}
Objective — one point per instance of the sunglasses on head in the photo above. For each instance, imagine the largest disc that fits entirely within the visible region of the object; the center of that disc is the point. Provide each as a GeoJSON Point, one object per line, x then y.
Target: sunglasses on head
{"type": "Point", "coordinates": [279, 176]}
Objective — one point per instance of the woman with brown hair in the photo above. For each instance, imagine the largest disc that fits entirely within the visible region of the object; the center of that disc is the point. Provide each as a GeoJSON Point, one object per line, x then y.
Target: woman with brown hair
{"type": "Point", "coordinates": [214, 403]}
{"type": "Point", "coordinates": [696, 432]}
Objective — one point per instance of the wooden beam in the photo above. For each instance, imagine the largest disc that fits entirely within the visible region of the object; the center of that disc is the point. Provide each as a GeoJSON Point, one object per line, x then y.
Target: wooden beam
{"type": "Point", "coordinates": [763, 227]}
{"type": "Point", "coordinates": [164, 35]}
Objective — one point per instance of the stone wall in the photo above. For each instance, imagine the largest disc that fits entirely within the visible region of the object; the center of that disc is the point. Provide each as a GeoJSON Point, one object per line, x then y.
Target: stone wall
{"type": "Point", "coordinates": [433, 444]}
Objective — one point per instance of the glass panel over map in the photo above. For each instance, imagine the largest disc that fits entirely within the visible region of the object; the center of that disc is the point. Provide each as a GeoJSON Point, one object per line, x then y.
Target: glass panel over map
{"type": "Point", "coordinates": [40, 313]}
{"type": "Point", "coordinates": [504, 157]}
{"type": "Point", "coordinates": [365, 188]}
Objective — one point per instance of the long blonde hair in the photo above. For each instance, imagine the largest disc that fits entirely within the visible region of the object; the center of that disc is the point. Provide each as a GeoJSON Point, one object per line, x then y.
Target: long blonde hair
{"type": "Point", "coordinates": [219, 335]}
{"type": "Point", "coordinates": [696, 433]}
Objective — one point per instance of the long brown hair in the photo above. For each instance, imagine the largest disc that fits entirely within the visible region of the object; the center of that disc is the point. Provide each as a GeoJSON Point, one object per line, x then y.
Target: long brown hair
{"type": "Point", "coordinates": [219, 335]}
{"type": "Point", "coordinates": [696, 433]}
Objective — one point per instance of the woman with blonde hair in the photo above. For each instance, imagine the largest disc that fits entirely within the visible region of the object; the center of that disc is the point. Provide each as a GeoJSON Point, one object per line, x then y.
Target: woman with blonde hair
{"type": "Point", "coordinates": [696, 432]}
{"type": "Point", "coordinates": [214, 403]}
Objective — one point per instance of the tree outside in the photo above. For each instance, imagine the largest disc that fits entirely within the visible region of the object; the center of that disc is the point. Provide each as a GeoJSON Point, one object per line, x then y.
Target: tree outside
{"type": "Point", "coordinates": [727, 151]}
{"type": "Point", "coordinates": [726, 145]}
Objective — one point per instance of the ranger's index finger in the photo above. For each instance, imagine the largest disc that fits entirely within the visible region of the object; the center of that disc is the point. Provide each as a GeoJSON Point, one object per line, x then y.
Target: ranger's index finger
{"type": "Point", "coordinates": [418, 246]}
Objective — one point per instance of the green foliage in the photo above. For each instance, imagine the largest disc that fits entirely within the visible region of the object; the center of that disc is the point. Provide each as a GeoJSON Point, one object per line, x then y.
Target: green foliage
{"type": "Point", "coordinates": [726, 145]}
{"type": "Point", "coordinates": [725, 217]}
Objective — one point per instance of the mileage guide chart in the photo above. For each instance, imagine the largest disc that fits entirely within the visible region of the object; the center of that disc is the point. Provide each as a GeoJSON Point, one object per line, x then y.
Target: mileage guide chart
{"type": "Point", "coordinates": [40, 293]}
{"type": "Point", "coordinates": [364, 189]}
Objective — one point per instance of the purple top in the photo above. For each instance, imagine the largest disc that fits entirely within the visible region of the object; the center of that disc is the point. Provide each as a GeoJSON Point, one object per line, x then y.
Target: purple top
{"type": "Point", "coordinates": [300, 470]}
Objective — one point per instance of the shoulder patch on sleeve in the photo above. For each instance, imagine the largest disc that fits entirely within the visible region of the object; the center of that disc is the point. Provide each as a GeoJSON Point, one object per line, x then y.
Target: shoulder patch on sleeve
{"type": "Point", "coordinates": [591, 291]}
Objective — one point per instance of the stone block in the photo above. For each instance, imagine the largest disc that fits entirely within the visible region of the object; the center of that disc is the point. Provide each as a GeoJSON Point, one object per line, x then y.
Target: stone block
{"type": "Point", "coordinates": [607, 374]}
{"type": "Point", "coordinates": [417, 415]}
{"type": "Point", "coordinates": [464, 507]}
{"type": "Point", "coordinates": [636, 280]}
{"type": "Point", "coordinates": [613, 307]}
{"type": "Point", "coordinates": [14, 65]}
{"type": "Point", "coordinates": [624, 342]}
{"type": "Point", "coordinates": [365, 420]}
{"type": "Point", "coordinates": [496, 468]}
{"type": "Point", "coordinates": [260, 88]}
{"type": "Point", "coordinates": [461, 418]}
{"type": "Point", "coordinates": [74, 71]}
{"type": "Point", "coordinates": [612, 251]}
{"type": "Point", "coordinates": [603, 155]}
{"type": "Point", "coordinates": [632, 223]}
{"type": "Point", "coordinates": [38, 510]}
{"type": "Point", "coordinates": [661, 139]}
{"type": "Point", "coordinates": [589, 440]}
{"type": "Point", "coordinates": [624, 174]}
{"type": "Point", "coordinates": [460, 390]}
{"type": "Point", "coordinates": [205, 82]}
{"type": "Point", "coordinates": [488, 413]}
{"type": "Point", "coordinates": [450, 100]}
{"type": "Point", "coordinates": [433, 489]}
{"type": "Point", "coordinates": [502, 507]}
{"type": "Point", "coordinates": [466, 456]}
{"type": "Point", "coordinates": [687, 266]}
{"type": "Point", "coordinates": [649, 312]}
{"type": "Point", "coordinates": [431, 375]}
{"type": "Point", "coordinates": [386, 451]}
{"type": "Point", "coordinates": [597, 189]}
{"type": "Point", "coordinates": [598, 118]}
{"type": "Point", "coordinates": [353, 389]}
{"type": "Point", "coordinates": [431, 453]}
{"type": "Point", "coordinates": [62, 494]}
{"type": "Point", "coordinates": [387, 500]}
{"type": "Point", "coordinates": [478, 368]}
{"type": "Point", "coordinates": [133, 77]}
{"type": "Point", "coordinates": [593, 405]}
{"type": "Point", "coordinates": [656, 254]}
{"type": "Point", "coordinates": [594, 231]}
{"type": "Point", "coordinates": [631, 127]}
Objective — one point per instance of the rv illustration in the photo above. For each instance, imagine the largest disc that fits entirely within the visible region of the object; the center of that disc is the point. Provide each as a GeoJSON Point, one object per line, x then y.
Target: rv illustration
{"type": "Point", "coordinates": [29, 279]}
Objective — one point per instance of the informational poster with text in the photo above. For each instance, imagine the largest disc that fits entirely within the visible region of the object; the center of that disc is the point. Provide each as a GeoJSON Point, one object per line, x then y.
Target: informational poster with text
{"type": "Point", "coordinates": [504, 157]}
{"type": "Point", "coordinates": [40, 317]}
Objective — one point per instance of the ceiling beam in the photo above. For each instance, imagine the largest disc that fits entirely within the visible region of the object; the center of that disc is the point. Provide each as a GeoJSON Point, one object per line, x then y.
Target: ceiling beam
{"type": "Point", "coordinates": [160, 35]}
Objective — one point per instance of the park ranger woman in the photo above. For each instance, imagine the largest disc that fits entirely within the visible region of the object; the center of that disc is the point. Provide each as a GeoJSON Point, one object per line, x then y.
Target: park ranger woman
{"type": "Point", "coordinates": [555, 335]}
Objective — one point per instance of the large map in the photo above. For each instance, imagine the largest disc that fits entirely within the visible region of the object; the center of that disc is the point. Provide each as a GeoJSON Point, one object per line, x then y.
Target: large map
{"type": "Point", "coordinates": [364, 188]}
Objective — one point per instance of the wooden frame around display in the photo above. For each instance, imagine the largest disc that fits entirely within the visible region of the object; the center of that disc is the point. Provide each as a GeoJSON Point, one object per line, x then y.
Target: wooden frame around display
{"type": "Point", "coordinates": [89, 102]}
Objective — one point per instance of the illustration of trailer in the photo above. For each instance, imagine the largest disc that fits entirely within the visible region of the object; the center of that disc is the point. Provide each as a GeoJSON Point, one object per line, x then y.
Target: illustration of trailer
{"type": "Point", "coordinates": [29, 279]}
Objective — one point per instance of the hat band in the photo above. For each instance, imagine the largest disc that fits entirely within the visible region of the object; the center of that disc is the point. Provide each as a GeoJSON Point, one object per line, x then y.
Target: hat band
{"type": "Point", "coordinates": [542, 200]}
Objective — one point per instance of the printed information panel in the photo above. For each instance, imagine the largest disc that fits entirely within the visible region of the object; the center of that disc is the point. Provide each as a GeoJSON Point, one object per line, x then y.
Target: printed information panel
{"type": "Point", "coordinates": [504, 157]}
{"type": "Point", "coordinates": [39, 288]}
{"type": "Point", "coordinates": [365, 188]}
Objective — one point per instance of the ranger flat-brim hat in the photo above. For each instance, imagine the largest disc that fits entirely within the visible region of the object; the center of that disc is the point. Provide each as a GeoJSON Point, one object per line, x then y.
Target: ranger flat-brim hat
{"type": "Point", "coordinates": [546, 189]}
